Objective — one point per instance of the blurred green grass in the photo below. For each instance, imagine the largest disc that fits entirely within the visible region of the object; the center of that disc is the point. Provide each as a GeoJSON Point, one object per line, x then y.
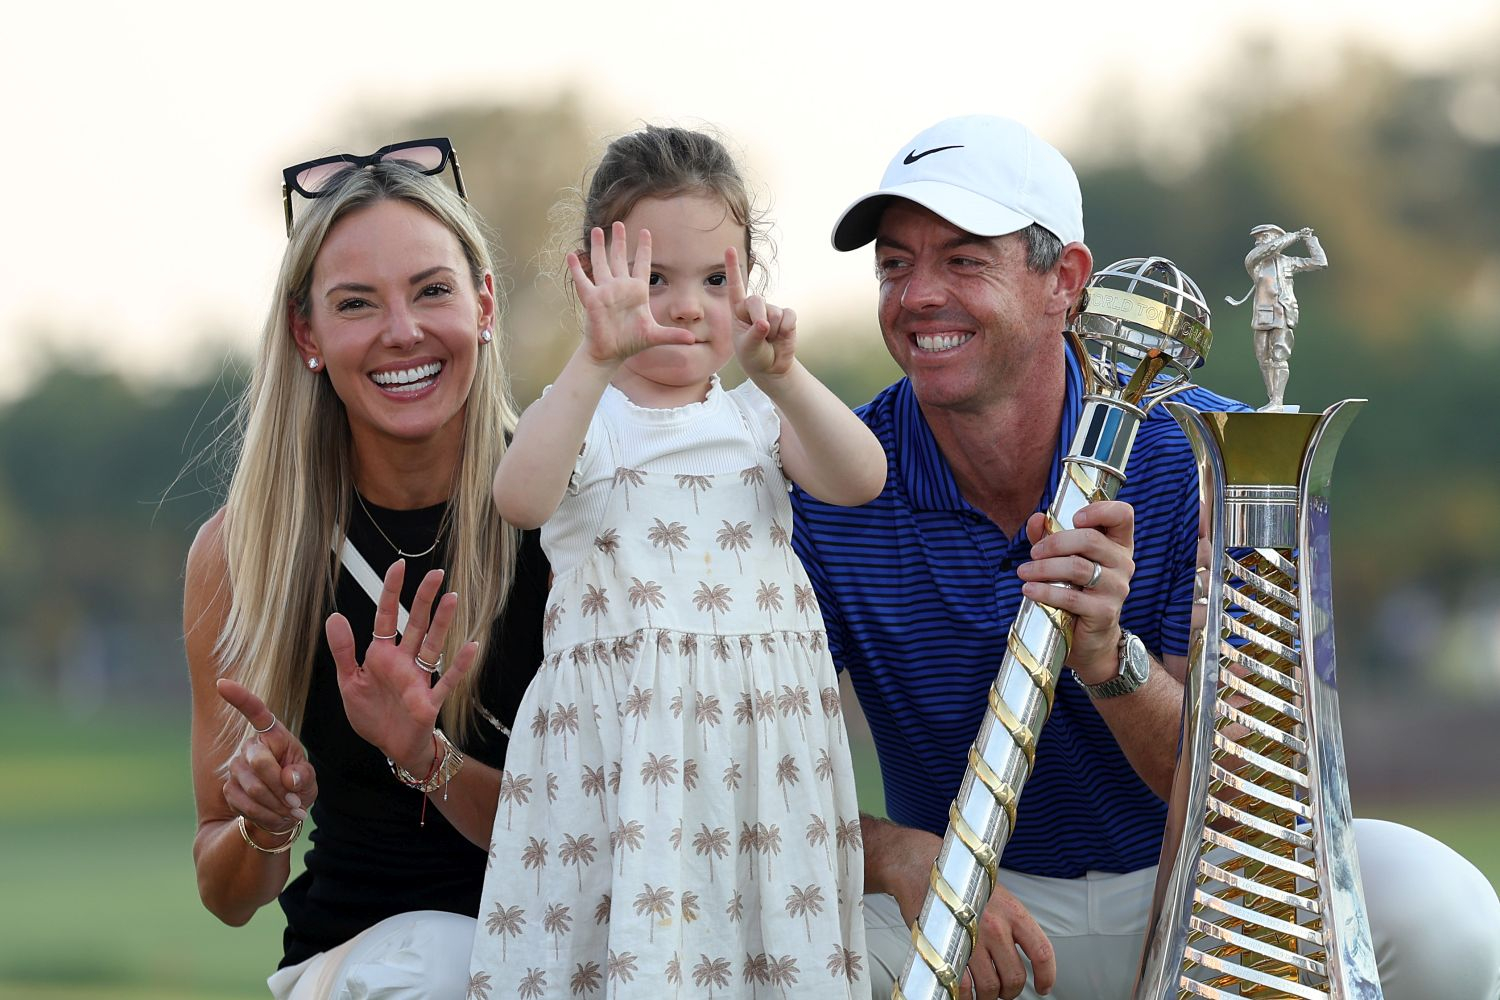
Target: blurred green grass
{"type": "Point", "coordinates": [96, 830]}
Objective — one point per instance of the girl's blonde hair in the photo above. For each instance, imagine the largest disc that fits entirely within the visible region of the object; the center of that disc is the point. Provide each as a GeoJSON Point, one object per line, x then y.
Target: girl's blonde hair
{"type": "Point", "coordinates": [290, 490]}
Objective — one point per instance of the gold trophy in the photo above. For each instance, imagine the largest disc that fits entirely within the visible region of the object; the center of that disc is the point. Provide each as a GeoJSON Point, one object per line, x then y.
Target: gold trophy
{"type": "Point", "coordinates": [1258, 892]}
{"type": "Point", "coordinates": [1143, 327]}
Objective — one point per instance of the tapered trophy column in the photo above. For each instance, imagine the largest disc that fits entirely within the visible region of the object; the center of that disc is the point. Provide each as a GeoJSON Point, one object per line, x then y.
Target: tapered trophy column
{"type": "Point", "coordinates": [1143, 328]}
{"type": "Point", "coordinates": [1258, 893]}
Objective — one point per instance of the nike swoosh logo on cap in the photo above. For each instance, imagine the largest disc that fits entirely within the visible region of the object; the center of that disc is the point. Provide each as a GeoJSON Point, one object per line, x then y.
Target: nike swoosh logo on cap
{"type": "Point", "coordinates": [914, 156]}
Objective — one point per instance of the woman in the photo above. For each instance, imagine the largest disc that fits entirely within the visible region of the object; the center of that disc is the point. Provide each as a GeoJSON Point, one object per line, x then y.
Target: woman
{"type": "Point", "coordinates": [376, 414]}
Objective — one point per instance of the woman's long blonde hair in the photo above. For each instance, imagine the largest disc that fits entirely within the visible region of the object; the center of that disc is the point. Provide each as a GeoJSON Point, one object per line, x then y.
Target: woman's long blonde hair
{"type": "Point", "coordinates": [290, 489]}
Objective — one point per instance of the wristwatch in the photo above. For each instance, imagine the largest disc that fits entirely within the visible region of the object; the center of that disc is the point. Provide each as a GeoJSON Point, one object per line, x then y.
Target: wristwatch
{"type": "Point", "coordinates": [1135, 668]}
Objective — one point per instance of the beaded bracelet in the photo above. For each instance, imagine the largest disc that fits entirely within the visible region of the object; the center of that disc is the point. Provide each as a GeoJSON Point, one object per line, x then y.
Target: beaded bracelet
{"type": "Point", "coordinates": [291, 838]}
{"type": "Point", "coordinates": [446, 763]}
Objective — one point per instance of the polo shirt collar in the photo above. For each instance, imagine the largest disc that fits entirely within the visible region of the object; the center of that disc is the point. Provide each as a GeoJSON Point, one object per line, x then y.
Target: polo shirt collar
{"type": "Point", "coordinates": [924, 473]}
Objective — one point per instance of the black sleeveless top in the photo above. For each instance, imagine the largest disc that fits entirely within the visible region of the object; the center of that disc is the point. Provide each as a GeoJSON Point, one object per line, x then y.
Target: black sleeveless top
{"type": "Point", "coordinates": [368, 857]}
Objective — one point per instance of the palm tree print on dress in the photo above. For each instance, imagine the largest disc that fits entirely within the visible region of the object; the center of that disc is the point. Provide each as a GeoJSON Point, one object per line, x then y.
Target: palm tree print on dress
{"type": "Point", "coordinates": [756, 970]}
{"type": "Point", "coordinates": [592, 782]}
{"type": "Point", "coordinates": [805, 903]}
{"type": "Point", "coordinates": [770, 844]}
{"type": "Point", "coordinates": [608, 542]}
{"type": "Point", "coordinates": [668, 537]}
{"type": "Point", "coordinates": [627, 478]}
{"type": "Point", "coordinates": [711, 972]}
{"type": "Point", "coordinates": [754, 476]}
{"type": "Point", "coordinates": [621, 966]}
{"type": "Point", "coordinates": [765, 708]}
{"type": "Point", "coordinates": [783, 541]}
{"type": "Point", "coordinates": [564, 721]}
{"type": "Point", "coordinates": [514, 790]}
{"type": "Point", "coordinates": [645, 594]}
{"type": "Point", "coordinates": [689, 907]}
{"type": "Point", "coordinates": [732, 776]}
{"type": "Point", "coordinates": [535, 856]}
{"type": "Point", "coordinates": [712, 844]}
{"type": "Point", "coordinates": [626, 836]}
{"type": "Point", "coordinates": [844, 962]}
{"type": "Point", "coordinates": [713, 598]}
{"type": "Point", "coordinates": [768, 599]}
{"type": "Point", "coordinates": [783, 972]}
{"type": "Point", "coordinates": [638, 706]}
{"type": "Point", "coordinates": [719, 647]}
{"type": "Point", "coordinates": [735, 908]}
{"type": "Point", "coordinates": [706, 713]}
{"type": "Point", "coordinates": [552, 785]}
{"type": "Point", "coordinates": [833, 706]}
{"type": "Point", "coordinates": [659, 771]}
{"type": "Point", "coordinates": [551, 619]}
{"type": "Point", "coordinates": [479, 987]}
{"type": "Point", "coordinates": [674, 970]}
{"type": "Point", "coordinates": [817, 835]}
{"type": "Point", "coordinates": [824, 767]}
{"type": "Point", "coordinates": [539, 723]}
{"type": "Point", "coordinates": [577, 851]}
{"type": "Point", "coordinates": [557, 922]}
{"type": "Point", "coordinates": [586, 979]}
{"type": "Point", "coordinates": [594, 604]}
{"type": "Point", "coordinates": [532, 985]}
{"type": "Point", "coordinates": [795, 701]}
{"type": "Point", "coordinates": [694, 483]}
{"type": "Point", "coordinates": [653, 903]}
{"type": "Point", "coordinates": [505, 922]}
{"type": "Point", "coordinates": [807, 602]}
{"type": "Point", "coordinates": [690, 774]}
{"type": "Point", "coordinates": [849, 838]}
{"type": "Point", "coordinates": [787, 776]}
{"type": "Point", "coordinates": [601, 911]}
{"type": "Point", "coordinates": [736, 539]}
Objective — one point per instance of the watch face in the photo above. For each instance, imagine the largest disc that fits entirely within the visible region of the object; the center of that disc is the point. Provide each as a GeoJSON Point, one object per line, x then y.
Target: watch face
{"type": "Point", "coordinates": [1135, 664]}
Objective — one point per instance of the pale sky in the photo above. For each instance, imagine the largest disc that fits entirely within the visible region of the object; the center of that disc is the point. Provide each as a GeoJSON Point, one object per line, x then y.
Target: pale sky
{"type": "Point", "coordinates": [144, 142]}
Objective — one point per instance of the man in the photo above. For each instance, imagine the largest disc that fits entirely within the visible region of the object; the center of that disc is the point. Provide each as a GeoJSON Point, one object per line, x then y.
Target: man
{"type": "Point", "coordinates": [1274, 308]}
{"type": "Point", "coordinates": [979, 253]}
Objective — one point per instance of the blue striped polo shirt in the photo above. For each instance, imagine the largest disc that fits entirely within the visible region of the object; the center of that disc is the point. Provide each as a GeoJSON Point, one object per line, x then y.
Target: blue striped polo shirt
{"type": "Point", "coordinates": [918, 591]}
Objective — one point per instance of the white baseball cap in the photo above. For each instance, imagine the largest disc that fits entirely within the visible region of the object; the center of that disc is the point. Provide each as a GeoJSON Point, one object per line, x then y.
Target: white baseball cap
{"type": "Point", "coordinates": [988, 176]}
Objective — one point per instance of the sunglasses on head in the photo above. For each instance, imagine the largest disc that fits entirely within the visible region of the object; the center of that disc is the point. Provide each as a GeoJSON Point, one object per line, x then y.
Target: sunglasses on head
{"type": "Point", "coordinates": [319, 177]}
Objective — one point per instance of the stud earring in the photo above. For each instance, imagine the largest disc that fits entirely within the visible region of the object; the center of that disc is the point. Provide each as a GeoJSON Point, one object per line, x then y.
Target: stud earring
{"type": "Point", "coordinates": [312, 364]}
{"type": "Point", "coordinates": [486, 335]}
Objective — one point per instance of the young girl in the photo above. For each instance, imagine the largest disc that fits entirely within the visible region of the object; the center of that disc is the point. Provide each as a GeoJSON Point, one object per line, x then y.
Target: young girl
{"type": "Point", "coordinates": [678, 810]}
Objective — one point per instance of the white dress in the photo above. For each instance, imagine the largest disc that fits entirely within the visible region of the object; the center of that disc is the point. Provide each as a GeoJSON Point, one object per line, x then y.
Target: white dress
{"type": "Point", "coordinates": [677, 817]}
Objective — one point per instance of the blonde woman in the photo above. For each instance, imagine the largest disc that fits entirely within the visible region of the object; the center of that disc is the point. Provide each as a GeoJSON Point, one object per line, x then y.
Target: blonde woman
{"type": "Point", "coordinates": [377, 411]}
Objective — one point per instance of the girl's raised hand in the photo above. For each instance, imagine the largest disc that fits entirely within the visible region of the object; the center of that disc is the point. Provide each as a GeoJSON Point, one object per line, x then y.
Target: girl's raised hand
{"type": "Point", "coordinates": [390, 698]}
{"type": "Point", "coordinates": [617, 298]}
{"type": "Point", "coordinates": [765, 336]}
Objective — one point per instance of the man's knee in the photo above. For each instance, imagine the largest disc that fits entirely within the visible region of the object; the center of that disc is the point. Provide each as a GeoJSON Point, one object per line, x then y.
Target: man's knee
{"type": "Point", "coordinates": [1434, 917]}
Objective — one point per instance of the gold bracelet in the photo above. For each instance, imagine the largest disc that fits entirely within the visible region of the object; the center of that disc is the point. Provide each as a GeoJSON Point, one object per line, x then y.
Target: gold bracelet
{"type": "Point", "coordinates": [291, 838]}
{"type": "Point", "coordinates": [447, 766]}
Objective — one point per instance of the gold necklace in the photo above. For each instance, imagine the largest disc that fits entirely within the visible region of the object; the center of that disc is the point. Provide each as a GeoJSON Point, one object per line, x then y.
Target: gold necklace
{"type": "Point", "coordinates": [399, 550]}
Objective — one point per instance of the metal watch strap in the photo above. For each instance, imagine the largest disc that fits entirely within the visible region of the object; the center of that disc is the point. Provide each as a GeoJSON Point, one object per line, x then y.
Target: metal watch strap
{"type": "Point", "coordinates": [1125, 680]}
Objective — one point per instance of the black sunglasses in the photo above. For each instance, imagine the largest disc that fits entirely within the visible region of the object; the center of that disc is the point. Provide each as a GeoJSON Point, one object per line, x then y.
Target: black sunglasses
{"type": "Point", "coordinates": [319, 177]}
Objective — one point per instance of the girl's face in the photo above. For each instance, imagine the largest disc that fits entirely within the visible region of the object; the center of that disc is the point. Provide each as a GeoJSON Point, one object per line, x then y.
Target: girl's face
{"type": "Point", "coordinates": [689, 289]}
{"type": "Point", "coordinates": [394, 316]}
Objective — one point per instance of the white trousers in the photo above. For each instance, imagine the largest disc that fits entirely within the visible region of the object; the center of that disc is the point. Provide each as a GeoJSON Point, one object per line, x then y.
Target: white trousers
{"type": "Point", "coordinates": [422, 955]}
{"type": "Point", "coordinates": [1434, 918]}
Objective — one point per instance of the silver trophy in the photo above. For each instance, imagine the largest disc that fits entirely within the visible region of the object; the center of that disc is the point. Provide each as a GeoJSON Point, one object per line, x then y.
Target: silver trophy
{"type": "Point", "coordinates": [1258, 892]}
{"type": "Point", "coordinates": [1143, 327]}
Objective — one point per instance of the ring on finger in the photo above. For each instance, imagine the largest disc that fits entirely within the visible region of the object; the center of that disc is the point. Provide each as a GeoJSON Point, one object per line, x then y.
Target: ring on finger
{"type": "Point", "coordinates": [384, 638]}
{"type": "Point", "coordinates": [269, 726]}
{"type": "Point", "coordinates": [432, 667]}
{"type": "Point", "coordinates": [1093, 579]}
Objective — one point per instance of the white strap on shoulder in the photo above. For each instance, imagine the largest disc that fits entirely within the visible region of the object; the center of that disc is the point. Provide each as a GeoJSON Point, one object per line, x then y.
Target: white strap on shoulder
{"type": "Point", "coordinates": [366, 577]}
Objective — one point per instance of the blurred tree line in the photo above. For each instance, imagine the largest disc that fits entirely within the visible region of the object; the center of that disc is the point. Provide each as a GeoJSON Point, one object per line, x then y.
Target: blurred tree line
{"type": "Point", "coordinates": [102, 482]}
